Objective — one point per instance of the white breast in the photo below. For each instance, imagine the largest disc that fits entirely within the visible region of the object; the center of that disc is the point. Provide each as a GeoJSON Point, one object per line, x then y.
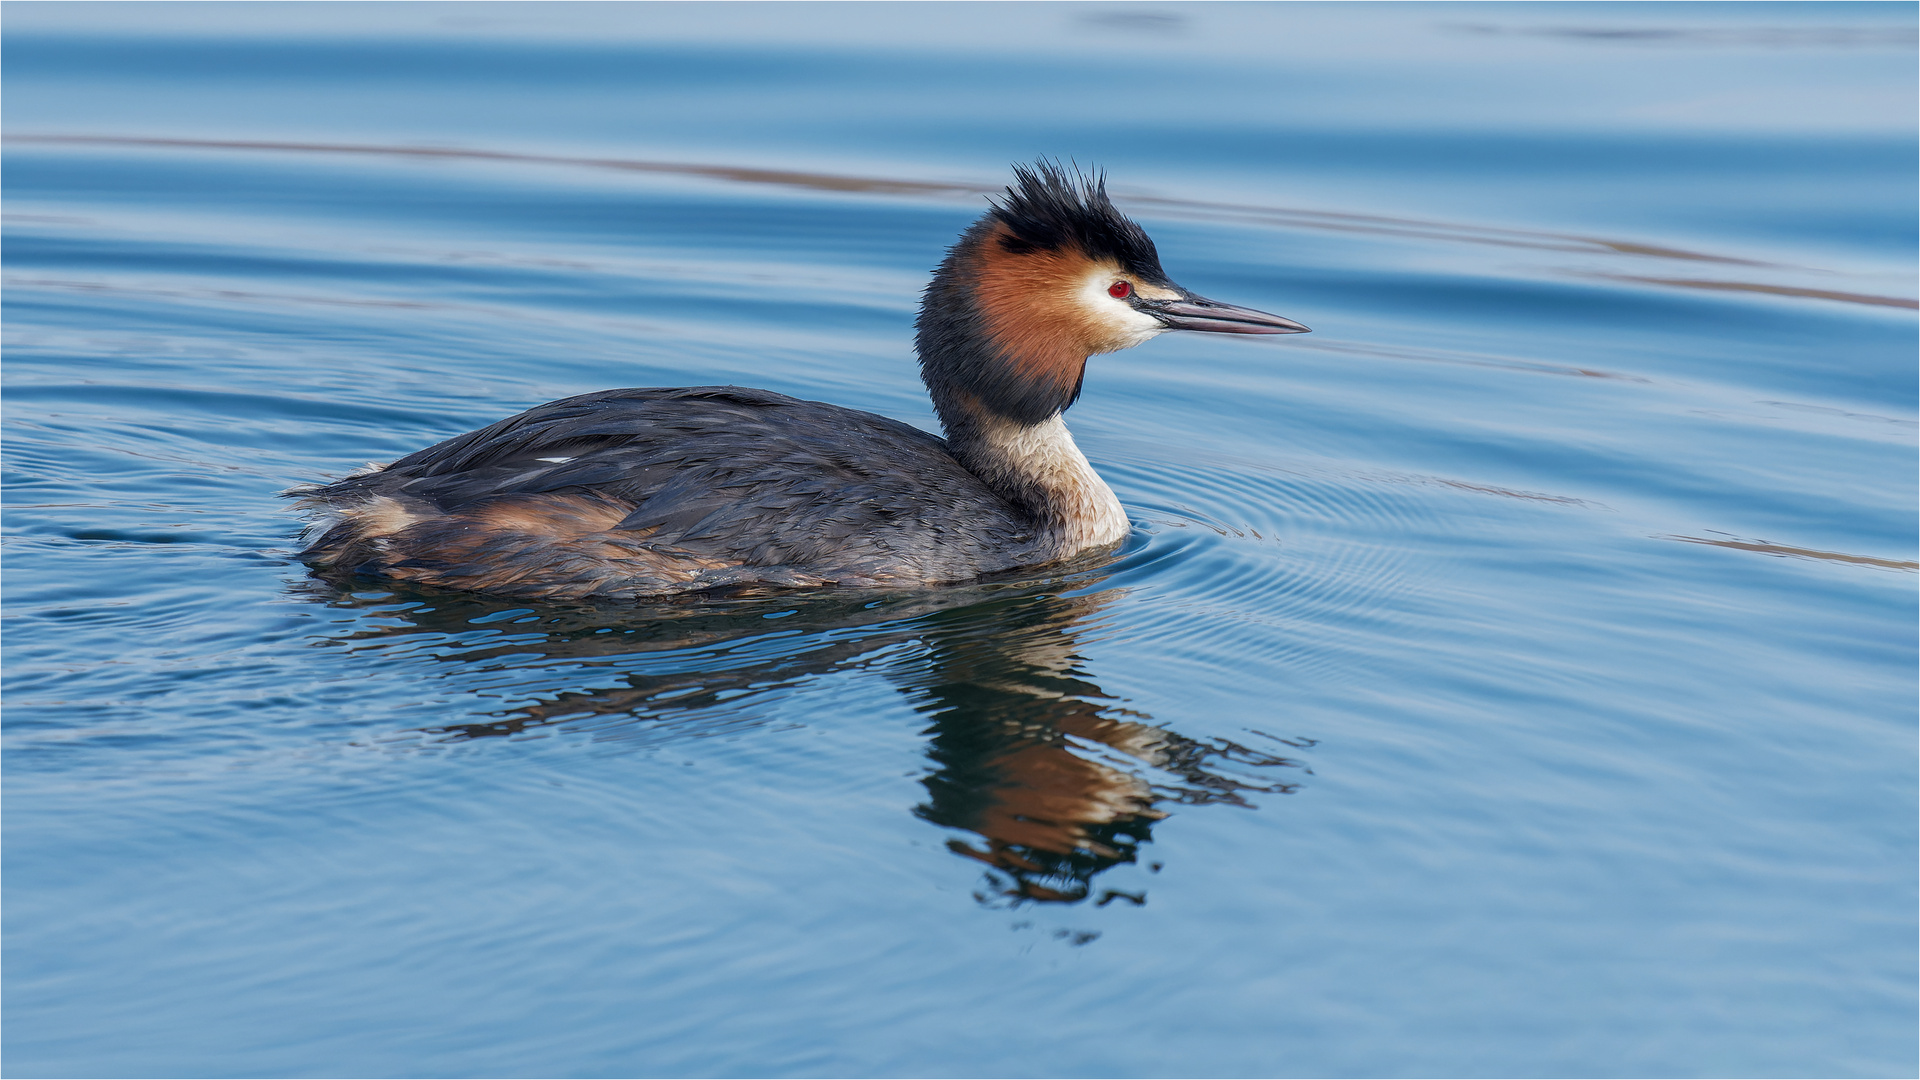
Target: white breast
{"type": "Point", "coordinates": [1044, 454]}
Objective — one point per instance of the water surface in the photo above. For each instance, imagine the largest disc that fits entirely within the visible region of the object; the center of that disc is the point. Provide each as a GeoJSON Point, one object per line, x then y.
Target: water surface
{"type": "Point", "coordinates": [1513, 677]}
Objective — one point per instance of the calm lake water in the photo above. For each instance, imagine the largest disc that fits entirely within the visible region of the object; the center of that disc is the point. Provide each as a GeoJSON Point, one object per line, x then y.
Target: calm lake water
{"type": "Point", "coordinates": [1514, 677]}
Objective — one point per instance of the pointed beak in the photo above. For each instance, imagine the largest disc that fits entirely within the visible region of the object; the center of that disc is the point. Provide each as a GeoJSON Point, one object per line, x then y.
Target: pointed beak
{"type": "Point", "coordinates": [1199, 313]}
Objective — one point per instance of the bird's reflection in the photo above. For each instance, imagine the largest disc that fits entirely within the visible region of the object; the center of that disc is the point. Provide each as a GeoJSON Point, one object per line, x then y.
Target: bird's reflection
{"type": "Point", "coordinates": [1051, 780]}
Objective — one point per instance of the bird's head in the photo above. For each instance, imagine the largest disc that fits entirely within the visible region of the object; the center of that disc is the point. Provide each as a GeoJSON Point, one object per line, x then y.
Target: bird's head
{"type": "Point", "coordinates": [1049, 276]}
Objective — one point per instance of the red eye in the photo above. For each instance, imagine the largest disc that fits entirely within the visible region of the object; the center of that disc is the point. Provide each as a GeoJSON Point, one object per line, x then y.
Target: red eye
{"type": "Point", "coordinates": [1120, 290]}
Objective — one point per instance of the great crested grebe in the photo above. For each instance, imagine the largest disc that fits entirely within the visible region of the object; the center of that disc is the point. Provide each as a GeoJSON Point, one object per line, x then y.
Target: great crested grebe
{"type": "Point", "coordinates": [628, 494]}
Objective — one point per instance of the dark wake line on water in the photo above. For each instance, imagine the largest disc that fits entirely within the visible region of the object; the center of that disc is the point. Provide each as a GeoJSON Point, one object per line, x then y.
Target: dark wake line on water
{"type": "Point", "coordinates": [1770, 37]}
{"type": "Point", "coordinates": [1872, 418]}
{"type": "Point", "coordinates": [1506, 493]}
{"type": "Point", "coordinates": [781, 177]}
{"type": "Point", "coordinates": [1771, 290]}
{"type": "Point", "coordinates": [1435, 356]}
{"type": "Point", "coordinates": [228, 294]}
{"type": "Point", "coordinates": [1335, 221]}
{"type": "Point", "coordinates": [1324, 220]}
{"type": "Point", "coordinates": [1784, 551]}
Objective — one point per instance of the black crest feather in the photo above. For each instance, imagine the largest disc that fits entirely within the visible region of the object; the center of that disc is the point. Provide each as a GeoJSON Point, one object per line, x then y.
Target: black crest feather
{"type": "Point", "coordinates": [1049, 207]}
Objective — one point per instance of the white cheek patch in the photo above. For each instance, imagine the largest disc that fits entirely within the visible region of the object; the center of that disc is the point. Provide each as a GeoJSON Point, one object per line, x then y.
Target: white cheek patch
{"type": "Point", "coordinates": [1125, 327]}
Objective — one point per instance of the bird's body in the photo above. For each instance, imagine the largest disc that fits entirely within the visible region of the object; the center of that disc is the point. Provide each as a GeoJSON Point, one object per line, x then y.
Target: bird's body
{"type": "Point", "coordinates": [627, 494]}
{"type": "Point", "coordinates": [632, 493]}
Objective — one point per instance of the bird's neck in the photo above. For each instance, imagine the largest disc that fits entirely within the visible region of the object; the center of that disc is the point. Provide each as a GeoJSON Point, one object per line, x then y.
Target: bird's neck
{"type": "Point", "coordinates": [1000, 381]}
{"type": "Point", "coordinates": [1038, 469]}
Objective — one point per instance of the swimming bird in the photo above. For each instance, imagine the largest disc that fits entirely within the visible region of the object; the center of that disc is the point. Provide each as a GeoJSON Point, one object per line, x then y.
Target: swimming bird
{"type": "Point", "coordinates": [642, 493]}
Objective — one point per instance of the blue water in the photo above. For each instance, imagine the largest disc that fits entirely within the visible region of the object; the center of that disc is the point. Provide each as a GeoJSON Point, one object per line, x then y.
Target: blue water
{"type": "Point", "coordinates": [1514, 677]}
